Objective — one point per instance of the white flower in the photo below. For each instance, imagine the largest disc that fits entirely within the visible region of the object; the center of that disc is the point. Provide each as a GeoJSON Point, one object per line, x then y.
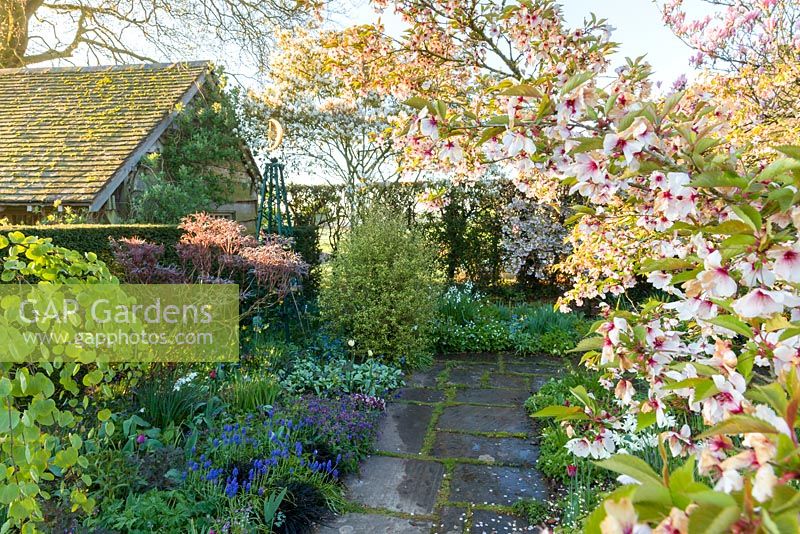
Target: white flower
{"type": "Point", "coordinates": [715, 279]}
{"type": "Point", "coordinates": [759, 303]}
{"type": "Point", "coordinates": [428, 126]}
{"type": "Point", "coordinates": [729, 482]}
{"type": "Point", "coordinates": [579, 447]}
{"type": "Point", "coordinates": [677, 201]}
{"type": "Point", "coordinates": [787, 263]}
{"type": "Point", "coordinates": [764, 483]}
{"type": "Point", "coordinates": [451, 151]}
{"type": "Point", "coordinates": [613, 143]}
{"type": "Point", "coordinates": [516, 142]}
{"type": "Point", "coordinates": [351, 343]}
{"type": "Point", "coordinates": [621, 518]}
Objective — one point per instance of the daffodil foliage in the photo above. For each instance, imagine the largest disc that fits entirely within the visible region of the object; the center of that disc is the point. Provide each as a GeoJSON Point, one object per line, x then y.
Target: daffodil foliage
{"type": "Point", "coordinates": [666, 198]}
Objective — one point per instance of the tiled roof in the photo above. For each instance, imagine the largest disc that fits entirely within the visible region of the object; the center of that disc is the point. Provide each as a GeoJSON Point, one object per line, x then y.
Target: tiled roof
{"type": "Point", "coordinates": [65, 133]}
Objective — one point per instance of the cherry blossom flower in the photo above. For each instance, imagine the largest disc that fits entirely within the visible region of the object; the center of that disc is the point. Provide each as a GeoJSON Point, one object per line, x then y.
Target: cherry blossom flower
{"type": "Point", "coordinates": [715, 279]}
{"type": "Point", "coordinates": [759, 303]}
{"type": "Point", "coordinates": [787, 263]}
{"type": "Point", "coordinates": [516, 143]}
{"type": "Point", "coordinates": [621, 518]}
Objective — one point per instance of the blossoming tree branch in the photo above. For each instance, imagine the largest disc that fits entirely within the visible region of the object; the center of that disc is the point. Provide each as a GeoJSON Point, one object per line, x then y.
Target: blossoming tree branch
{"type": "Point", "coordinates": [668, 196]}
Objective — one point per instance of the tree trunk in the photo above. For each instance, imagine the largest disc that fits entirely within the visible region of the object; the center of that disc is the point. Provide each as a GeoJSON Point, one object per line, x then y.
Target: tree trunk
{"type": "Point", "coordinates": [13, 32]}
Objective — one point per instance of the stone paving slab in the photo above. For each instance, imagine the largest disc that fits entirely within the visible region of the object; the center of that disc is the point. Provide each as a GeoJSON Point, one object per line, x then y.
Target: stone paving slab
{"type": "Point", "coordinates": [374, 523]}
{"type": "Point", "coordinates": [513, 451]}
{"type": "Point", "coordinates": [483, 484]}
{"type": "Point", "coordinates": [451, 521]}
{"type": "Point", "coordinates": [522, 383]}
{"type": "Point", "coordinates": [536, 365]}
{"type": "Point", "coordinates": [471, 375]}
{"type": "Point", "coordinates": [469, 357]}
{"type": "Point", "coordinates": [492, 396]}
{"type": "Point", "coordinates": [403, 430]}
{"type": "Point", "coordinates": [396, 484]}
{"type": "Point", "coordinates": [484, 419]}
{"type": "Point", "coordinates": [426, 378]}
{"type": "Point", "coordinates": [419, 395]}
{"type": "Point", "coordinates": [488, 522]}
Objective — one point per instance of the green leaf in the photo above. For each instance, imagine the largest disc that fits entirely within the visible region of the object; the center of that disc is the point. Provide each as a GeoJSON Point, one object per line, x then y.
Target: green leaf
{"type": "Point", "coordinates": [749, 215]}
{"type": "Point", "coordinates": [731, 227]}
{"type": "Point", "coordinates": [488, 133]}
{"type": "Point", "coordinates": [713, 179]}
{"type": "Point", "coordinates": [522, 89]}
{"type": "Point", "coordinates": [666, 264]}
{"type": "Point", "coordinates": [772, 394]}
{"type": "Point", "coordinates": [588, 343]}
{"type": "Point", "coordinates": [417, 102]}
{"type": "Point", "coordinates": [739, 424]}
{"type": "Point", "coordinates": [562, 413]}
{"type": "Point", "coordinates": [93, 378]}
{"type": "Point", "coordinates": [632, 466]}
{"type": "Point", "coordinates": [5, 387]}
{"type": "Point", "coordinates": [776, 168]}
{"type": "Point", "coordinates": [644, 420]}
{"type": "Point", "coordinates": [576, 81]}
{"type": "Point", "coordinates": [709, 519]}
{"type": "Point", "coordinates": [104, 415]}
{"type": "Point", "coordinates": [733, 323]}
{"type": "Point", "coordinates": [793, 151]}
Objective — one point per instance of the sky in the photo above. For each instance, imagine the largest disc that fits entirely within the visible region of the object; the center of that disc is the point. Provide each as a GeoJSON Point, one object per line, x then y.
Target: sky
{"type": "Point", "coordinates": [638, 24]}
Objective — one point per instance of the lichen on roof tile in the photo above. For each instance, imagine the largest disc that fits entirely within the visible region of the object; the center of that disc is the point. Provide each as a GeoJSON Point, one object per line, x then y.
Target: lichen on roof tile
{"type": "Point", "coordinates": [65, 131]}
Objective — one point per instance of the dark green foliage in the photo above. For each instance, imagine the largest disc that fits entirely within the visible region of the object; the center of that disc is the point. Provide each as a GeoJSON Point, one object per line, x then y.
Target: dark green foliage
{"type": "Point", "coordinates": [536, 512]}
{"type": "Point", "coordinates": [94, 237]}
{"type": "Point", "coordinates": [468, 231]}
{"type": "Point", "coordinates": [250, 393]}
{"type": "Point", "coordinates": [195, 167]}
{"type": "Point", "coordinates": [156, 511]}
{"type": "Point", "coordinates": [381, 291]}
{"type": "Point", "coordinates": [164, 404]}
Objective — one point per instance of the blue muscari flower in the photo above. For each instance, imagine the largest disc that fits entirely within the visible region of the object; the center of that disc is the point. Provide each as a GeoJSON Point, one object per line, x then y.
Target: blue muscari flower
{"type": "Point", "coordinates": [235, 472]}
{"type": "Point", "coordinates": [207, 464]}
{"type": "Point", "coordinates": [298, 448]}
{"type": "Point", "coordinates": [216, 442]}
{"type": "Point", "coordinates": [260, 492]}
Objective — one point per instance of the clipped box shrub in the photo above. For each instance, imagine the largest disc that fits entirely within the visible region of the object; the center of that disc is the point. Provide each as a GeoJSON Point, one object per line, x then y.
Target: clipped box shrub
{"type": "Point", "coordinates": [94, 237]}
{"type": "Point", "coordinates": [381, 291]}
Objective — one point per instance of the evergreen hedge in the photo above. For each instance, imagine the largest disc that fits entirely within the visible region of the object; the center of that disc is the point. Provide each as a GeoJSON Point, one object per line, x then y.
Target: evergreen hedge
{"type": "Point", "coordinates": [94, 237]}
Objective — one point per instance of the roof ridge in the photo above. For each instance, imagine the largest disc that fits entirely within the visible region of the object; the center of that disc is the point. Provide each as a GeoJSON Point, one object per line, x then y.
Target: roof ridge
{"type": "Point", "coordinates": [108, 68]}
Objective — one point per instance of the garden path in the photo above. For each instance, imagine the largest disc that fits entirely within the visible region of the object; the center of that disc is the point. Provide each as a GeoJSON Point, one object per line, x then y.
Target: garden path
{"type": "Point", "coordinates": [455, 452]}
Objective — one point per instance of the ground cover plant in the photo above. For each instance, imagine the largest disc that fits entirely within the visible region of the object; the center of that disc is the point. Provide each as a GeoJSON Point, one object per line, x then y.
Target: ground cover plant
{"type": "Point", "coordinates": [469, 322]}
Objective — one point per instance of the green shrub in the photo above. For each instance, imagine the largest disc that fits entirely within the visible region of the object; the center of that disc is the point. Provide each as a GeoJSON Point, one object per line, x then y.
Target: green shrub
{"type": "Point", "coordinates": [94, 237]}
{"type": "Point", "coordinates": [381, 291]}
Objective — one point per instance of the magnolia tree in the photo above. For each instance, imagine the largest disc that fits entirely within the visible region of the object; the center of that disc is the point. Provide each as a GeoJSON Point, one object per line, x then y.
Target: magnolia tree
{"type": "Point", "coordinates": [667, 199]}
{"type": "Point", "coordinates": [334, 129]}
{"type": "Point", "coordinates": [751, 48]}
